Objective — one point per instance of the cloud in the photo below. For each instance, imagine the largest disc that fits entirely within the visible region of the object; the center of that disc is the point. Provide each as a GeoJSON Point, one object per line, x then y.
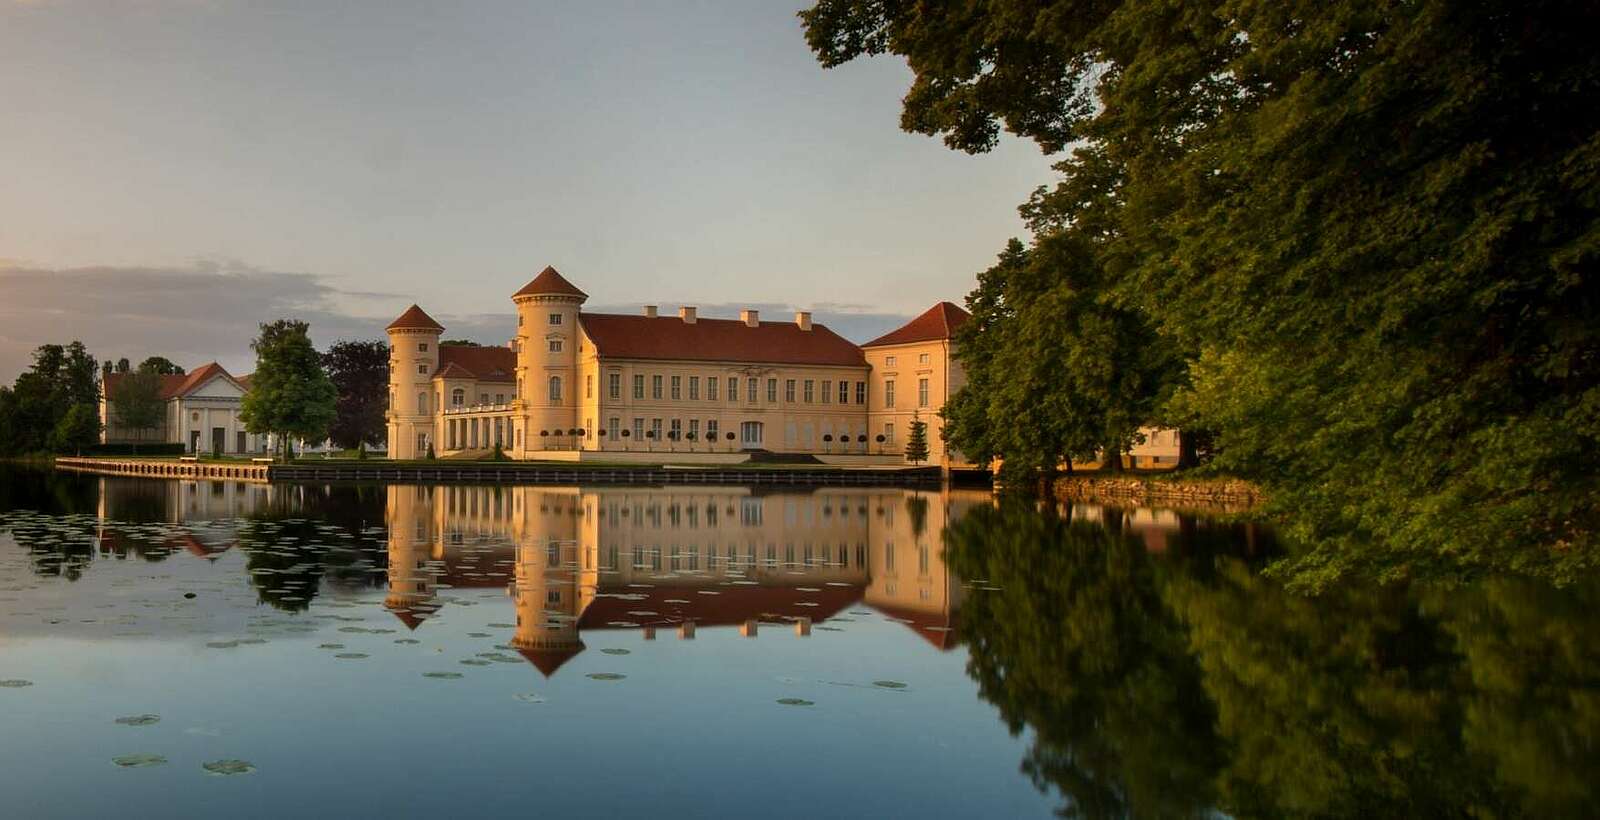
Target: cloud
{"type": "Point", "coordinates": [209, 311]}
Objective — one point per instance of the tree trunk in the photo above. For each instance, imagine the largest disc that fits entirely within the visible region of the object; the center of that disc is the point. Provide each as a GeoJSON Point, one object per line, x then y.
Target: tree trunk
{"type": "Point", "coordinates": [1112, 460]}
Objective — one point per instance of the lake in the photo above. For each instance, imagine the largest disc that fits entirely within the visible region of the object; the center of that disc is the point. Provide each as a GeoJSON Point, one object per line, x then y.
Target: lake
{"type": "Point", "coordinates": [185, 648]}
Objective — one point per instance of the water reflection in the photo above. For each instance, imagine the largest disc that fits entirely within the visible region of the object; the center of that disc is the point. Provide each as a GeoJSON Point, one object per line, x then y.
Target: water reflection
{"type": "Point", "coordinates": [578, 560]}
{"type": "Point", "coordinates": [1184, 683]}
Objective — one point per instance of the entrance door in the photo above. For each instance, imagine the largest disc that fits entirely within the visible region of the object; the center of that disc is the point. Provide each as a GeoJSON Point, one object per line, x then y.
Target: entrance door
{"type": "Point", "coordinates": [219, 439]}
{"type": "Point", "coordinates": [240, 445]}
{"type": "Point", "coordinates": [750, 435]}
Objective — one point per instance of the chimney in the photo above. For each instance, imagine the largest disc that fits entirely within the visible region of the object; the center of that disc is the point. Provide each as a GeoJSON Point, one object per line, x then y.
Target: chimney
{"type": "Point", "coordinates": [803, 319]}
{"type": "Point", "coordinates": [686, 313]}
{"type": "Point", "coordinates": [751, 318]}
{"type": "Point", "coordinates": [650, 311]}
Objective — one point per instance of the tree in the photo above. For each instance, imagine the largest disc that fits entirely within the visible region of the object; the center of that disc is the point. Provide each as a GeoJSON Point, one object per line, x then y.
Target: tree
{"type": "Point", "coordinates": [360, 373]}
{"type": "Point", "coordinates": [290, 394]}
{"type": "Point", "coordinates": [138, 405]}
{"type": "Point", "coordinates": [79, 428]}
{"type": "Point", "coordinates": [160, 365]}
{"type": "Point", "coordinates": [917, 440]}
{"type": "Point", "coordinates": [459, 343]}
{"type": "Point", "coordinates": [1368, 228]}
{"type": "Point", "coordinates": [123, 366]}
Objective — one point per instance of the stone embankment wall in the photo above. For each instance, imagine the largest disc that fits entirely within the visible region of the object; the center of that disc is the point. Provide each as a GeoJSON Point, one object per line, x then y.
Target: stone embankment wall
{"type": "Point", "coordinates": [1202, 492]}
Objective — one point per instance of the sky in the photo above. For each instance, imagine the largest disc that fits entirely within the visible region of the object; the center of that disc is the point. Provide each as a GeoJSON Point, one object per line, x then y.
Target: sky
{"type": "Point", "coordinates": [177, 171]}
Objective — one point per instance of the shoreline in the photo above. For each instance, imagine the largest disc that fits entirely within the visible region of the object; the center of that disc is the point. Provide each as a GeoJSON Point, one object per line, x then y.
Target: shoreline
{"type": "Point", "coordinates": [1229, 494]}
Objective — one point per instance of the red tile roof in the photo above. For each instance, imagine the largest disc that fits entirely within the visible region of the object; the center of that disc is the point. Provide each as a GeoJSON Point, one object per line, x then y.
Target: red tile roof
{"type": "Point", "coordinates": [489, 364]}
{"type": "Point", "coordinates": [414, 319]}
{"type": "Point", "coordinates": [937, 322]}
{"type": "Point", "coordinates": [547, 661]}
{"type": "Point", "coordinates": [549, 281]}
{"type": "Point", "coordinates": [937, 629]}
{"type": "Point", "coordinates": [669, 337]}
{"type": "Point", "coordinates": [174, 386]}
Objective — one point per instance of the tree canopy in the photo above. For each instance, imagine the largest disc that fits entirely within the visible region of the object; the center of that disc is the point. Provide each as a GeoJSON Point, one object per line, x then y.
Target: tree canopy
{"type": "Point", "coordinates": [61, 378]}
{"type": "Point", "coordinates": [360, 373]}
{"type": "Point", "coordinates": [138, 405]}
{"type": "Point", "coordinates": [290, 394]}
{"type": "Point", "coordinates": [160, 365]}
{"type": "Point", "coordinates": [1367, 230]}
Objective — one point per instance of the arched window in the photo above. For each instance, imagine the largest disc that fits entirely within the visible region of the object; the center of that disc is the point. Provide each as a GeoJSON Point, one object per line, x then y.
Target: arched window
{"type": "Point", "coordinates": [458, 397]}
{"type": "Point", "coordinates": [555, 389]}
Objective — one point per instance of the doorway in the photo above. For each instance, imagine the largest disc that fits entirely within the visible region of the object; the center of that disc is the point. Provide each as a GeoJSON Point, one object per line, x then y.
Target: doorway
{"type": "Point", "coordinates": [219, 439]}
{"type": "Point", "coordinates": [750, 435]}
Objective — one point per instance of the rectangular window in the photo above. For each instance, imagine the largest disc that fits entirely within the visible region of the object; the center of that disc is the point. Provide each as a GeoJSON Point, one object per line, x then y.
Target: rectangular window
{"type": "Point", "coordinates": [655, 428]}
{"type": "Point", "coordinates": [422, 347]}
{"type": "Point", "coordinates": [694, 429]}
{"type": "Point", "coordinates": [888, 392]}
{"type": "Point", "coordinates": [614, 385]}
{"type": "Point", "coordinates": [422, 370]}
{"type": "Point", "coordinates": [555, 318]}
{"type": "Point", "coordinates": [638, 386]}
{"type": "Point", "coordinates": [677, 429]}
{"type": "Point", "coordinates": [655, 387]}
{"type": "Point", "coordinates": [483, 398]}
{"type": "Point", "coordinates": [750, 389]}
{"type": "Point", "coordinates": [733, 388]}
{"type": "Point", "coordinates": [588, 386]}
{"type": "Point", "coordinates": [694, 388]}
{"type": "Point", "coordinates": [861, 392]}
{"type": "Point", "coordinates": [711, 388]}
{"type": "Point", "coordinates": [611, 428]}
{"type": "Point", "coordinates": [827, 391]}
{"type": "Point", "coordinates": [788, 391]}
{"type": "Point", "coordinates": [499, 398]}
{"type": "Point", "coordinates": [810, 390]}
{"type": "Point", "coordinates": [844, 392]}
{"type": "Point", "coordinates": [711, 429]}
{"type": "Point", "coordinates": [555, 345]}
{"type": "Point", "coordinates": [888, 361]}
{"type": "Point", "coordinates": [677, 388]}
{"type": "Point", "coordinates": [772, 391]}
{"type": "Point", "coordinates": [922, 392]}
{"type": "Point", "coordinates": [638, 430]}
{"type": "Point", "coordinates": [922, 358]}
{"type": "Point", "coordinates": [888, 434]}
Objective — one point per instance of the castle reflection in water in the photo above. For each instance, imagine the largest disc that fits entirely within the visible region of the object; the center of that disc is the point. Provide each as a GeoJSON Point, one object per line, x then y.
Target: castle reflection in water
{"type": "Point", "coordinates": [575, 560]}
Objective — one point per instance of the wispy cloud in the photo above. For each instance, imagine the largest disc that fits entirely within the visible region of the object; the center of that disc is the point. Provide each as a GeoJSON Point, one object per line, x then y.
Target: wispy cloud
{"type": "Point", "coordinates": [210, 309]}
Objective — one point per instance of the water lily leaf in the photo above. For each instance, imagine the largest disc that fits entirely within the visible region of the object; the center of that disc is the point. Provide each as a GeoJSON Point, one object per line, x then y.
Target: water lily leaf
{"type": "Point", "coordinates": [795, 702]}
{"type": "Point", "coordinates": [442, 675]}
{"type": "Point", "coordinates": [529, 697]}
{"type": "Point", "coordinates": [889, 684]}
{"type": "Point", "coordinates": [605, 676]}
{"type": "Point", "coordinates": [138, 720]}
{"type": "Point", "coordinates": [228, 767]}
{"type": "Point", "coordinates": [613, 650]}
{"type": "Point", "coordinates": [351, 655]}
{"type": "Point", "coordinates": [139, 761]}
{"type": "Point", "coordinates": [15, 683]}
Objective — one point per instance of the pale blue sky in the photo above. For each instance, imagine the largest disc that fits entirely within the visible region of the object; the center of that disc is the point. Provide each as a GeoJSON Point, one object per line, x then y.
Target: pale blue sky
{"type": "Point", "coordinates": [385, 152]}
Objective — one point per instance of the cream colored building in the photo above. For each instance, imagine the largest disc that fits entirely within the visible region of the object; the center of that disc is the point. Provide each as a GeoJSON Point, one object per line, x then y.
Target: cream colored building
{"type": "Point", "coordinates": [576, 385]}
{"type": "Point", "coordinates": [201, 411]}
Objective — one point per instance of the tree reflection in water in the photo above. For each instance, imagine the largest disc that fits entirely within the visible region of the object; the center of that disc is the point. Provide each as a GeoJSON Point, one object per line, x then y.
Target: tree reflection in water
{"type": "Point", "coordinates": [1183, 683]}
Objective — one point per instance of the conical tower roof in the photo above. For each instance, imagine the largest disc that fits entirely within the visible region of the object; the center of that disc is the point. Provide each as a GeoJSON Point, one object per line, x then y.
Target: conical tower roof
{"type": "Point", "coordinates": [550, 282]}
{"type": "Point", "coordinates": [415, 318]}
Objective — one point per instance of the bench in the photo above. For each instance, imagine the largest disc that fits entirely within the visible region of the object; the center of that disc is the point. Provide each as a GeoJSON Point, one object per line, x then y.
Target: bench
{"type": "Point", "coordinates": [188, 458]}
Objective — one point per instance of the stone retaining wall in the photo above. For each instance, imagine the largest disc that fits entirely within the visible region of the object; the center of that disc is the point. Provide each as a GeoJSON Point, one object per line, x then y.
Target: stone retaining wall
{"type": "Point", "coordinates": [1218, 492]}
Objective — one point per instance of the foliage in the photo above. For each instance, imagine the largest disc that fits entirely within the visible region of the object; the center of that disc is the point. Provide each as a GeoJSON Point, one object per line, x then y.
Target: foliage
{"type": "Point", "coordinates": [1186, 683]}
{"type": "Point", "coordinates": [160, 365]}
{"type": "Point", "coordinates": [290, 394]}
{"type": "Point", "coordinates": [917, 441]}
{"type": "Point", "coordinates": [431, 455]}
{"type": "Point", "coordinates": [78, 429]}
{"type": "Point", "coordinates": [360, 373]}
{"type": "Point", "coordinates": [31, 409]}
{"type": "Point", "coordinates": [1371, 227]}
{"type": "Point", "coordinates": [138, 405]}
{"type": "Point", "coordinates": [459, 343]}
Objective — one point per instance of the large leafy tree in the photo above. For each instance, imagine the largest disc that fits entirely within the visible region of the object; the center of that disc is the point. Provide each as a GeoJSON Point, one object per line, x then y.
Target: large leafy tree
{"type": "Point", "coordinates": [137, 405]}
{"type": "Point", "coordinates": [78, 428]}
{"type": "Point", "coordinates": [61, 377]}
{"type": "Point", "coordinates": [1372, 225]}
{"type": "Point", "coordinates": [360, 373]}
{"type": "Point", "coordinates": [290, 394]}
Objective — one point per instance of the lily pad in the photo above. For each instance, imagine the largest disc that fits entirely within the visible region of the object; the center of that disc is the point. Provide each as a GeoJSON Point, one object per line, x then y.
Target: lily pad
{"type": "Point", "coordinates": [888, 684]}
{"type": "Point", "coordinates": [139, 761]}
{"type": "Point", "coordinates": [352, 656]}
{"type": "Point", "coordinates": [330, 646]}
{"type": "Point", "coordinates": [138, 720]}
{"type": "Point", "coordinates": [479, 635]}
{"type": "Point", "coordinates": [442, 675]}
{"type": "Point", "coordinates": [529, 697]}
{"type": "Point", "coordinates": [795, 702]}
{"type": "Point", "coordinates": [15, 683]}
{"type": "Point", "coordinates": [222, 644]}
{"type": "Point", "coordinates": [407, 641]}
{"type": "Point", "coordinates": [475, 662]}
{"type": "Point", "coordinates": [228, 767]}
{"type": "Point", "coordinates": [605, 676]}
{"type": "Point", "coordinates": [613, 650]}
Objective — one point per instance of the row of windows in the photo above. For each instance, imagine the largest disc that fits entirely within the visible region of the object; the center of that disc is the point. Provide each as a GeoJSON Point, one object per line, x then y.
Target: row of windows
{"type": "Point", "coordinates": [891, 361]}
{"type": "Point", "coordinates": [679, 388]}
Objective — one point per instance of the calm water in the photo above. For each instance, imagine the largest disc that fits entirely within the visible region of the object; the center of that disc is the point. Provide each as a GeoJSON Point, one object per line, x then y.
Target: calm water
{"type": "Point", "coordinates": [594, 651]}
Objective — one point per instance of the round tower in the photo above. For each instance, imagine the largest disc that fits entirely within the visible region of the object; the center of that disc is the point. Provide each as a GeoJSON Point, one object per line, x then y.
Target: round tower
{"type": "Point", "coordinates": [408, 518]}
{"type": "Point", "coordinates": [547, 363]}
{"type": "Point", "coordinates": [546, 590]}
{"type": "Point", "coordinates": [413, 359]}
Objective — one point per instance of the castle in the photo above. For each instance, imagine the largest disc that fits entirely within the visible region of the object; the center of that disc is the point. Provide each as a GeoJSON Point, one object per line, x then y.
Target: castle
{"type": "Point", "coordinates": [573, 385]}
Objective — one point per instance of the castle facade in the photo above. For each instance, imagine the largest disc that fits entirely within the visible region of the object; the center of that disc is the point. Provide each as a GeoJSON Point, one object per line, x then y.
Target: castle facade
{"type": "Point", "coordinates": [574, 385]}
